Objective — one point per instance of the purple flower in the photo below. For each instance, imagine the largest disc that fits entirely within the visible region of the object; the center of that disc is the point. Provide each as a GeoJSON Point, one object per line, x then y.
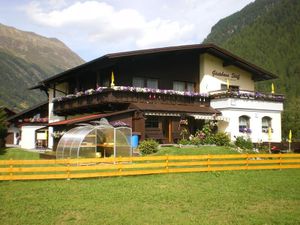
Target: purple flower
{"type": "Point", "coordinates": [245, 130]}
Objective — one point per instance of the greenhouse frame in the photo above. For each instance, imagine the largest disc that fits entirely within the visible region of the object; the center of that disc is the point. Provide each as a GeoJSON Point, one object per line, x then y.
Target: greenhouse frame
{"type": "Point", "coordinates": [90, 141]}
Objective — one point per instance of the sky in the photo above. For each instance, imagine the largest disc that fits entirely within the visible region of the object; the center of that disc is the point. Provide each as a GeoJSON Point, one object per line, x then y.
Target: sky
{"type": "Point", "coordinates": [92, 28]}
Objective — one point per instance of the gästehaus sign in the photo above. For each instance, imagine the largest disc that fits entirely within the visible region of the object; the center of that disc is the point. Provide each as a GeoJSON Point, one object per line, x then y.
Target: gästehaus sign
{"type": "Point", "coordinates": [232, 76]}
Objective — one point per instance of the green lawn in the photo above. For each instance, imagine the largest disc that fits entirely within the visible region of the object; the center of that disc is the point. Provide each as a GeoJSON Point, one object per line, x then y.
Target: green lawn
{"type": "Point", "coordinates": [237, 197]}
{"type": "Point", "coordinates": [202, 150]}
{"type": "Point", "coordinates": [17, 153]}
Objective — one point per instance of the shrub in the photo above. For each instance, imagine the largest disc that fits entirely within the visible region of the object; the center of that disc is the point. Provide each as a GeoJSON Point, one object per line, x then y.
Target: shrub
{"type": "Point", "coordinates": [3, 132]}
{"type": "Point", "coordinates": [222, 139]}
{"type": "Point", "coordinates": [244, 143]}
{"type": "Point", "coordinates": [196, 141]}
{"type": "Point", "coordinates": [206, 129]}
{"type": "Point", "coordinates": [148, 147]}
{"type": "Point", "coordinates": [184, 142]}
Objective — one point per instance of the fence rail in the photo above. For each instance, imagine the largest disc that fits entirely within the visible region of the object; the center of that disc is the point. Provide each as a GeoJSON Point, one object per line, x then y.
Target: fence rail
{"type": "Point", "coordinates": [108, 167]}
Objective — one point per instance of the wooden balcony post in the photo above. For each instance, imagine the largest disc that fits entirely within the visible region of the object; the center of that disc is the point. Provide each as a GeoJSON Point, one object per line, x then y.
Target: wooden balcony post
{"type": "Point", "coordinates": [170, 130]}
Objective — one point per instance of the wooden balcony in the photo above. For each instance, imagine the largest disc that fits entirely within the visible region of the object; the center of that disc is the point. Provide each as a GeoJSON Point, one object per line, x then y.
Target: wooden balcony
{"type": "Point", "coordinates": [91, 100]}
{"type": "Point", "coordinates": [244, 94]}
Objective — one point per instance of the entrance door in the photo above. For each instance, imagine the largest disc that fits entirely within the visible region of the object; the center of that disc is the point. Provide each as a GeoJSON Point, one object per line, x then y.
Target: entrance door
{"type": "Point", "coordinates": [10, 139]}
{"type": "Point", "coordinates": [165, 128]}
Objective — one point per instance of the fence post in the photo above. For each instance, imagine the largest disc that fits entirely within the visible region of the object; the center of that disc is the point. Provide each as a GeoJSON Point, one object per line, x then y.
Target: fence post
{"type": "Point", "coordinates": [247, 163]}
{"type": "Point", "coordinates": [208, 162]}
{"type": "Point", "coordinates": [119, 166]}
{"type": "Point", "coordinates": [10, 170]}
{"type": "Point", "coordinates": [280, 161]}
{"type": "Point", "coordinates": [167, 163]}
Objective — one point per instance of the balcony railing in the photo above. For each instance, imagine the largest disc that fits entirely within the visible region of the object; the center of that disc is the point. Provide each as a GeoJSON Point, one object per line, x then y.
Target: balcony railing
{"type": "Point", "coordinates": [243, 94]}
{"type": "Point", "coordinates": [121, 95]}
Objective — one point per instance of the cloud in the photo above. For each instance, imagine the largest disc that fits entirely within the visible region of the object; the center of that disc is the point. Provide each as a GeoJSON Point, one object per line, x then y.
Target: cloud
{"type": "Point", "coordinates": [164, 32]}
{"type": "Point", "coordinates": [103, 23]}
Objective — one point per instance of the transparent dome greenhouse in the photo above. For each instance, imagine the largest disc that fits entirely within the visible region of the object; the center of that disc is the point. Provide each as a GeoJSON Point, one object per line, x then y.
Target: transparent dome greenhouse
{"type": "Point", "coordinates": [99, 140]}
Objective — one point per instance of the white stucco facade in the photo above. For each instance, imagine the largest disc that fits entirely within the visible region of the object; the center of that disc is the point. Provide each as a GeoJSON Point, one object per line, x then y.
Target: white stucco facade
{"type": "Point", "coordinates": [61, 89]}
{"type": "Point", "coordinates": [28, 138]}
{"type": "Point", "coordinates": [255, 110]}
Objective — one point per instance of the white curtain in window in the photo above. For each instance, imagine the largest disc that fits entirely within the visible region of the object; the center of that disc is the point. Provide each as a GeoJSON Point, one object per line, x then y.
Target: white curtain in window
{"type": "Point", "coordinates": [266, 122]}
{"type": "Point", "coordinates": [138, 82]}
{"type": "Point", "coordinates": [152, 83]}
{"type": "Point", "coordinates": [244, 121]}
{"type": "Point", "coordinates": [178, 86]}
{"type": "Point", "coordinates": [190, 87]}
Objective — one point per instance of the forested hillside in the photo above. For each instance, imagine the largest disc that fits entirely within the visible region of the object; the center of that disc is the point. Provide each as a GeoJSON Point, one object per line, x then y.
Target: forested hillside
{"type": "Point", "coordinates": [25, 59]}
{"type": "Point", "coordinates": [267, 33]}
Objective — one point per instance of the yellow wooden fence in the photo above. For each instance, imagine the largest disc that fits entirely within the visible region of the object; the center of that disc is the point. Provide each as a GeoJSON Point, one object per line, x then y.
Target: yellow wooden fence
{"type": "Point", "coordinates": [108, 167]}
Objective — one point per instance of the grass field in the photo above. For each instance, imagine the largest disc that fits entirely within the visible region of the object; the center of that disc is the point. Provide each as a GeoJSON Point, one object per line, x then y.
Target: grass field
{"type": "Point", "coordinates": [196, 150]}
{"type": "Point", "coordinates": [16, 153]}
{"type": "Point", "coordinates": [238, 197]}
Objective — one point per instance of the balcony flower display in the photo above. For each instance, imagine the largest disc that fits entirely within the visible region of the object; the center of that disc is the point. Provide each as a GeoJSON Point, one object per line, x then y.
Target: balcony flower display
{"type": "Point", "coordinates": [80, 93]}
{"type": "Point", "coordinates": [70, 96]}
{"type": "Point", "coordinates": [151, 91]}
{"type": "Point", "coordinates": [246, 95]}
{"type": "Point", "coordinates": [89, 91]}
{"type": "Point", "coordinates": [36, 120]}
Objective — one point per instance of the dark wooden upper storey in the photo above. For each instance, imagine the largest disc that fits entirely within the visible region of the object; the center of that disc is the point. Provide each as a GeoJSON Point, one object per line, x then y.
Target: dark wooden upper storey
{"type": "Point", "coordinates": [166, 64]}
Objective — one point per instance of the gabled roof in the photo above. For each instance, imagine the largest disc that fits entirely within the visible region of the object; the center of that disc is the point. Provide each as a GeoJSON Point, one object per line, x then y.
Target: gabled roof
{"type": "Point", "coordinates": [228, 57]}
{"type": "Point", "coordinates": [40, 105]}
{"type": "Point", "coordinates": [7, 111]}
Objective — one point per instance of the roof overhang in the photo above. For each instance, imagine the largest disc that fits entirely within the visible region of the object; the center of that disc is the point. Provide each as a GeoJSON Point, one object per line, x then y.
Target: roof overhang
{"type": "Point", "coordinates": [210, 117]}
{"type": "Point", "coordinates": [88, 118]}
{"type": "Point", "coordinates": [173, 109]}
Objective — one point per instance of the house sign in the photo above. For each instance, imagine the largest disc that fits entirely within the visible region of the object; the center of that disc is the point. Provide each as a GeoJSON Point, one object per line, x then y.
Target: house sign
{"type": "Point", "coordinates": [232, 76]}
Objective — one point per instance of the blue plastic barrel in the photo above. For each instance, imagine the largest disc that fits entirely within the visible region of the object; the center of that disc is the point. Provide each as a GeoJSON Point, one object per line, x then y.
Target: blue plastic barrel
{"type": "Point", "coordinates": [134, 141]}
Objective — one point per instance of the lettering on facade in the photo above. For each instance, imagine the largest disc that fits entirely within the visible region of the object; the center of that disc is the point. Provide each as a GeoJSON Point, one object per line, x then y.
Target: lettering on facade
{"type": "Point", "coordinates": [233, 76]}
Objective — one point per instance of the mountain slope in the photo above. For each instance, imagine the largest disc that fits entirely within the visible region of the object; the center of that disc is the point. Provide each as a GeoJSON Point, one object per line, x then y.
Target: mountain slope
{"type": "Point", "coordinates": [267, 33]}
{"type": "Point", "coordinates": [25, 59]}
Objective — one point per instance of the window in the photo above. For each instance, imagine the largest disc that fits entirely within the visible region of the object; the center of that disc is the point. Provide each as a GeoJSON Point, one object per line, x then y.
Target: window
{"type": "Point", "coordinates": [266, 124]}
{"type": "Point", "coordinates": [183, 86]}
{"type": "Point", "coordinates": [106, 82]}
{"type": "Point", "coordinates": [151, 123]}
{"type": "Point", "coordinates": [138, 82]}
{"type": "Point", "coordinates": [152, 83]}
{"type": "Point", "coordinates": [37, 116]}
{"type": "Point", "coordinates": [231, 87]}
{"type": "Point", "coordinates": [190, 87]}
{"type": "Point", "coordinates": [178, 86]}
{"type": "Point", "coordinates": [244, 124]}
{"type": "Point", "coordinates": [145, 82]}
